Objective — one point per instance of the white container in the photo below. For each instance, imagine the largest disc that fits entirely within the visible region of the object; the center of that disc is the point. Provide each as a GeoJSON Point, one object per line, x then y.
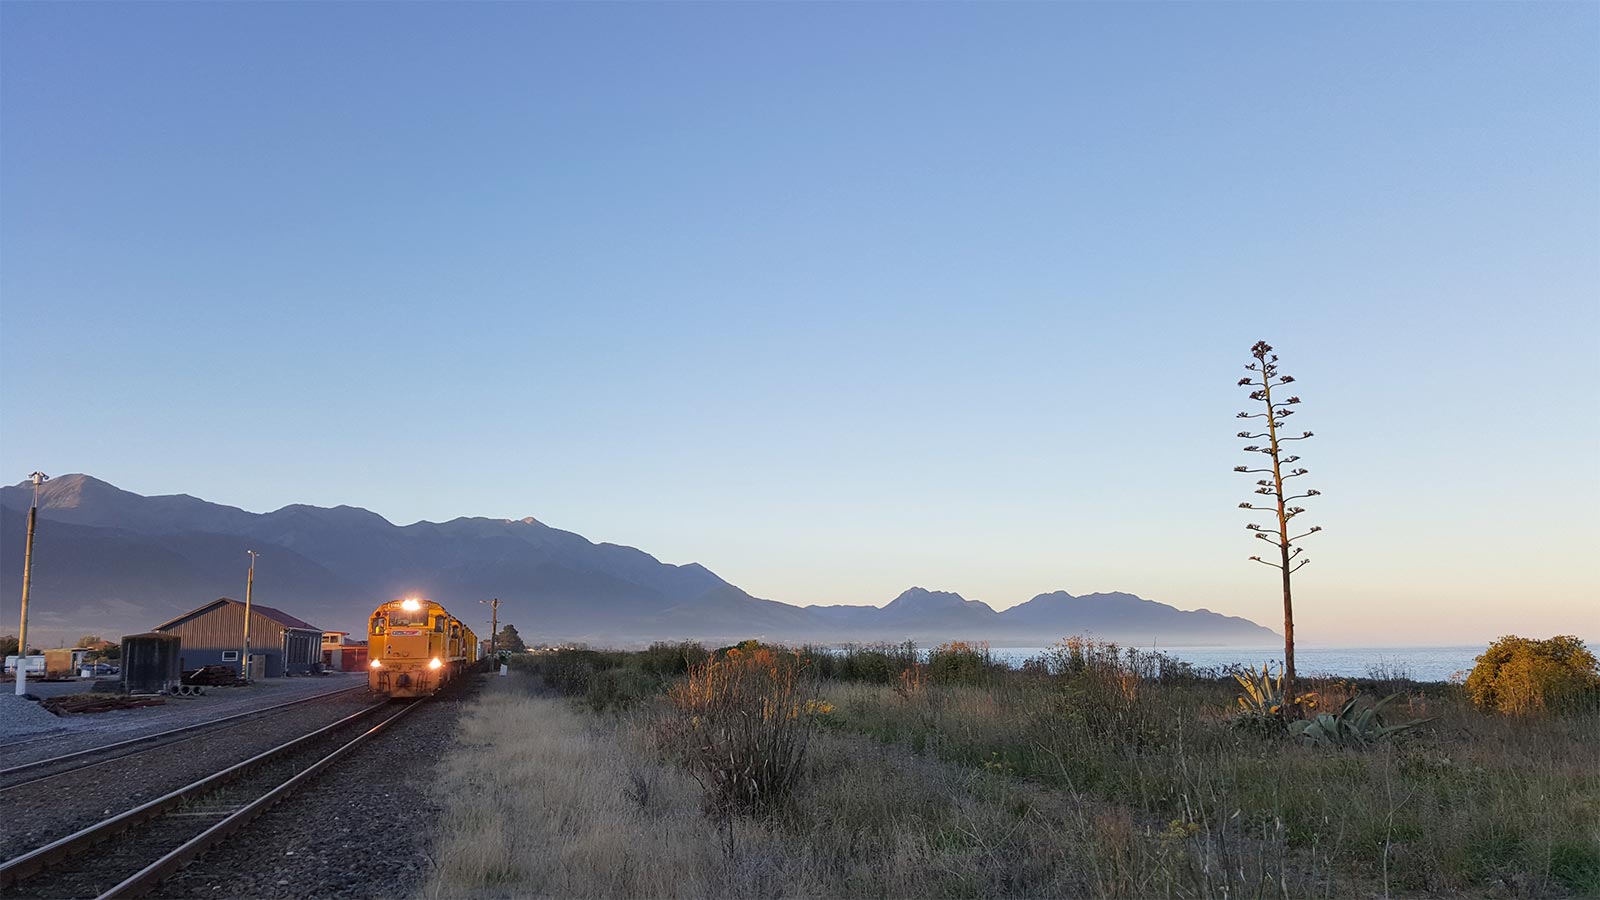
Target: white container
{"type": "Point", "coordinates": [503, 669]}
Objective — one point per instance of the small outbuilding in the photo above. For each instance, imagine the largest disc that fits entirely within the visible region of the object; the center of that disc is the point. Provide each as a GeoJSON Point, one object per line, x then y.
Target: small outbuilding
{"type": "Point", "coordinates": [354, 658]}
{"type": "Point", "coordinates": [214, 635]}
{"type": "Point", "coordinates": [340, 654]}
{"type": "Point", "coordinates": [150, 662]}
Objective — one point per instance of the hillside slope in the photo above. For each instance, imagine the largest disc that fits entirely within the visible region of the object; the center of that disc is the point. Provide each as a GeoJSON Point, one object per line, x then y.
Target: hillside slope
{"type": "Point", "coordinates": [111, 561]}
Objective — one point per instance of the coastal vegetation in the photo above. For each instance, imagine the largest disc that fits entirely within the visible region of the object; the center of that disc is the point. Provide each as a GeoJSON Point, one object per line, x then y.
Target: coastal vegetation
{"type": "Point", "coordinates": [1091, 770]}
{"type": "Point", "coordinates": [1519, 676]}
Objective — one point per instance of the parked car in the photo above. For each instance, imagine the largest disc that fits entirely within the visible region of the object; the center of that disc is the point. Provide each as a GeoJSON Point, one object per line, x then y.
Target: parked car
{"type": "Point", "coordinates": [106, 669]}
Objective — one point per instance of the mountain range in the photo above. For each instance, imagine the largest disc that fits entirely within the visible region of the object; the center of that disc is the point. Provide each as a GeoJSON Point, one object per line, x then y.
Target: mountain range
{"type": "Point", "coordinates": [113, 562]}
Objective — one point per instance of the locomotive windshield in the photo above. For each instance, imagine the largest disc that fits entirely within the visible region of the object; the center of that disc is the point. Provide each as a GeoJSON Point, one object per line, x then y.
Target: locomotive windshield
{"type": "Point", "coordinates": [399, 618]}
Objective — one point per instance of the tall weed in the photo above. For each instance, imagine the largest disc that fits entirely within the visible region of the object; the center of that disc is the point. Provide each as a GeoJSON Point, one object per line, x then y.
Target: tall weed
{"type": "Point", "coordinates": [742, 723]}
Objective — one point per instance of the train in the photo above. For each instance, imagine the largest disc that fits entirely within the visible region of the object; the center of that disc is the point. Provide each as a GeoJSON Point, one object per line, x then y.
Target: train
{"type": "Point", "coordinates": [416, 647]}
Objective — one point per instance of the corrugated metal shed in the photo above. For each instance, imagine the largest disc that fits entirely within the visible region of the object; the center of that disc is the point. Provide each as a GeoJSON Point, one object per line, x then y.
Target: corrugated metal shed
{"type": "Point", "coordinates": [214, 634]}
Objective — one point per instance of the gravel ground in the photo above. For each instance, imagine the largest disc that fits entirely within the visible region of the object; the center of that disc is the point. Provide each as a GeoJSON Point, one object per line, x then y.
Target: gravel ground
{"type": "Point", "coordinates": [38, 813]}
{"type": "Point", "coordinates": [24, 737]}
{"type": "Point", "coordinates": [362, 829]}
{"type": "Point", "coordinates": [25, 718]}
{"type": "Point", "coordinates": [58, 688]}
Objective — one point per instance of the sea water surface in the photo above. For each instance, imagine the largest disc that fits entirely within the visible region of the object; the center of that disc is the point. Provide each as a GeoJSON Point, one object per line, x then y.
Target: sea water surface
{"type": "Point", "coordinates": [1417, 663]}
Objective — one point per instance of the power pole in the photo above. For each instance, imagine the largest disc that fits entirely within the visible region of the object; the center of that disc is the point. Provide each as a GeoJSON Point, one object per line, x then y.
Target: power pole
{"type": "Point", "coordinates": [249, 588]}
{"type": "Point", "coordinates": [494, 623]}
{"type": "Point", "coordinates": [27, 579]}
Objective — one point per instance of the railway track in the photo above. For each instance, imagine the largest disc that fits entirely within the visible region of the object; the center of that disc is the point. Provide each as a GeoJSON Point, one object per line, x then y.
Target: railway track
{"type": "Point", "coordinates": [157, 838]}
{"type": "Point", "coordinates": [21, 774]}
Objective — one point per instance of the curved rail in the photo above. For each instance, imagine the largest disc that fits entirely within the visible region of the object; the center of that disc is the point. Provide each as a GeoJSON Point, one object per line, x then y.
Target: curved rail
{"type": "Point", "coordinates": [27, 864]}
{"type": "Point", "coordinates": [22, 768]}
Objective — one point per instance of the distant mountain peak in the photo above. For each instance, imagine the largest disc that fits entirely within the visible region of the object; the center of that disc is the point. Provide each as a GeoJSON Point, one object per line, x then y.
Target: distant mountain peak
{"type": "Point", "coordinates": [65, 491]}
{"type": "Point", "coordinates": [922, 600]}
{"type": "Point", "coordinates": [918, 596]}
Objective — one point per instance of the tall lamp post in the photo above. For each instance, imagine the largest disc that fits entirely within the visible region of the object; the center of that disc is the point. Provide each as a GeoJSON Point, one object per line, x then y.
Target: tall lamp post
{"type": "Point", "coordinates": [494, 623]}
{"type": "Point", "coordinates": [249, 588]}
{"type": "Point", "coordinates": [27, 579]}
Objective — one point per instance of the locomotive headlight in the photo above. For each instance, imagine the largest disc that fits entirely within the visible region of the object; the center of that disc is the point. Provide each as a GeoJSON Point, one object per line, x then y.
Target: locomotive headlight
{"type": "Point", "coordinates": [410, 605]}
{"type": "Point", "coordinates": [376, 664]}
{"type": "Point", "coordinates": [435, 663]}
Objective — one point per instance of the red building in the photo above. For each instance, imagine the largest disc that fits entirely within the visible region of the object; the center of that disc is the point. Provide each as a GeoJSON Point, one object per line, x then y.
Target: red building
{"type": "Point", "coordinates": [340, 654]}
{"type": "Point", "coordinates": [354, 658]}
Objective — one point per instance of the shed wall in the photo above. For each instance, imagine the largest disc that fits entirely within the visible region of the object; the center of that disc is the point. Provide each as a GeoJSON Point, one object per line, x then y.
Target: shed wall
{"type": "Point", "coordinates": [220, 629]}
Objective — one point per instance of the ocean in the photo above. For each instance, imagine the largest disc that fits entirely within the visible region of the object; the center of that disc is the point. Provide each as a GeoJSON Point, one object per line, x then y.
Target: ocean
{"type": "Point", "coordinates": [1417, 663]}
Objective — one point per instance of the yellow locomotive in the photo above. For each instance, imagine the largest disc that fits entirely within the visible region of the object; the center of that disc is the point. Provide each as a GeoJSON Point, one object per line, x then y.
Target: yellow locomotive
{"type": "Point", "coordinates": [416, 647]}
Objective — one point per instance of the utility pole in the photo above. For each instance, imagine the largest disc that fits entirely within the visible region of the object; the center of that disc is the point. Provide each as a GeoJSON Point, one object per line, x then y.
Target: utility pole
{"type": "Point", "coordinates": [494, 623]}
{"type": "Point", "coordinates": [249, 588]}
{"type": "Point", "coordinates": [27, 579]}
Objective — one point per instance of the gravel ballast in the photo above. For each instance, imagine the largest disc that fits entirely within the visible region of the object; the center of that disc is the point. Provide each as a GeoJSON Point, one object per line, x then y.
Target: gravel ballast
{"type": "Point", "coordinates": [20, 717]}
{"type": "Point", "coordinates": [364, 828]}
{"type": "Point", "coordinates": [42, 811]}
{"type": "Point", "coordinates": [85, 730]}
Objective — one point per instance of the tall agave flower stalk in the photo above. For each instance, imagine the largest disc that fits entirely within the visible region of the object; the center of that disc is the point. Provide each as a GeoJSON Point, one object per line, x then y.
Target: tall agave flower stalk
{"type": "Point", "coordinates": [1275, 497]}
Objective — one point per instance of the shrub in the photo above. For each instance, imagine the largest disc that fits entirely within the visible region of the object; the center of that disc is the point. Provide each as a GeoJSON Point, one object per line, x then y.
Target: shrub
{"type": "Point", "coordinates": [1520, 676]}
{"type": "Point", "coordinates": [1095, 693]}
{"type": "Point", "coordinates": [1084, 656]}
{"type": "Point", "coordinates": [668, 659]}
{"type": "Point", "coordinates": [959, 663]}
{"type": "Point", "coordinates": [619, 688]}
{"type": "Point", "coordinates": [876, 663]}
{"type": "Point", "coordinates": [571, 671]}
{"type": "Point", "coordinates": [742, 721]}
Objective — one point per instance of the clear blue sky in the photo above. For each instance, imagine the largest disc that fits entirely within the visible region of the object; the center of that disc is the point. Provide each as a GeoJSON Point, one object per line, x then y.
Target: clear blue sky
{"type": "Point", "coordinates": [836, 298]}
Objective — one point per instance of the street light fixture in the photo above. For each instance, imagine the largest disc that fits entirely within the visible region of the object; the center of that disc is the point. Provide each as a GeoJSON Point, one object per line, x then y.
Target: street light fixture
{"type": "Point", "coordinates": [494, 622]}
{"type": "Point", "coordinates": [27, 579]}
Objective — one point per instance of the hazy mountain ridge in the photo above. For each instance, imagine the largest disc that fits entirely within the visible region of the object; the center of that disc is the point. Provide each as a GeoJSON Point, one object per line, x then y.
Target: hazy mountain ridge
{"type": "Point", "coordinates": [109, 560]}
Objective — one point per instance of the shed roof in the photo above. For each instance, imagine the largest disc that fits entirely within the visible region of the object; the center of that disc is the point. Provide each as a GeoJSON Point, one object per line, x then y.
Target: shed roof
{"type": "Point", "coordinates": [273, 613]}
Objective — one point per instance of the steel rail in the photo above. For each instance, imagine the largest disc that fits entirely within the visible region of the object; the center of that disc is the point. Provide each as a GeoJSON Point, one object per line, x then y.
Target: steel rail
{"type": "Point", "coordinates": [104, 748]}
{"type": "Point", "coordinates": [20, 867]}
{"type": "Point", "coordinates": [151, 875]}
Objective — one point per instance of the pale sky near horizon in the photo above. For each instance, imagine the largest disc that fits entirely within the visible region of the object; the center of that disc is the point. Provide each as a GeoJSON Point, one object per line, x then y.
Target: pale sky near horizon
{"type": "Point", "coordinates": [836, 298]}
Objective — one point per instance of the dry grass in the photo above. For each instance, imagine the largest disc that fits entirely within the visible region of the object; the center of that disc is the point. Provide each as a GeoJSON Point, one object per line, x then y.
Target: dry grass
{"type": "Point", "coordinates": [1034, 784]}
{"type": "Point", "coordinates": [544, 801]}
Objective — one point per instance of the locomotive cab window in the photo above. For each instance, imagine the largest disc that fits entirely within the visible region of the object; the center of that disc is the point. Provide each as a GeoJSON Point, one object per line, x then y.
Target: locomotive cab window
{"type": "Point", "coordinates": [378, 624]}
{"type": "Point", "coordinates": [401, 618]}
